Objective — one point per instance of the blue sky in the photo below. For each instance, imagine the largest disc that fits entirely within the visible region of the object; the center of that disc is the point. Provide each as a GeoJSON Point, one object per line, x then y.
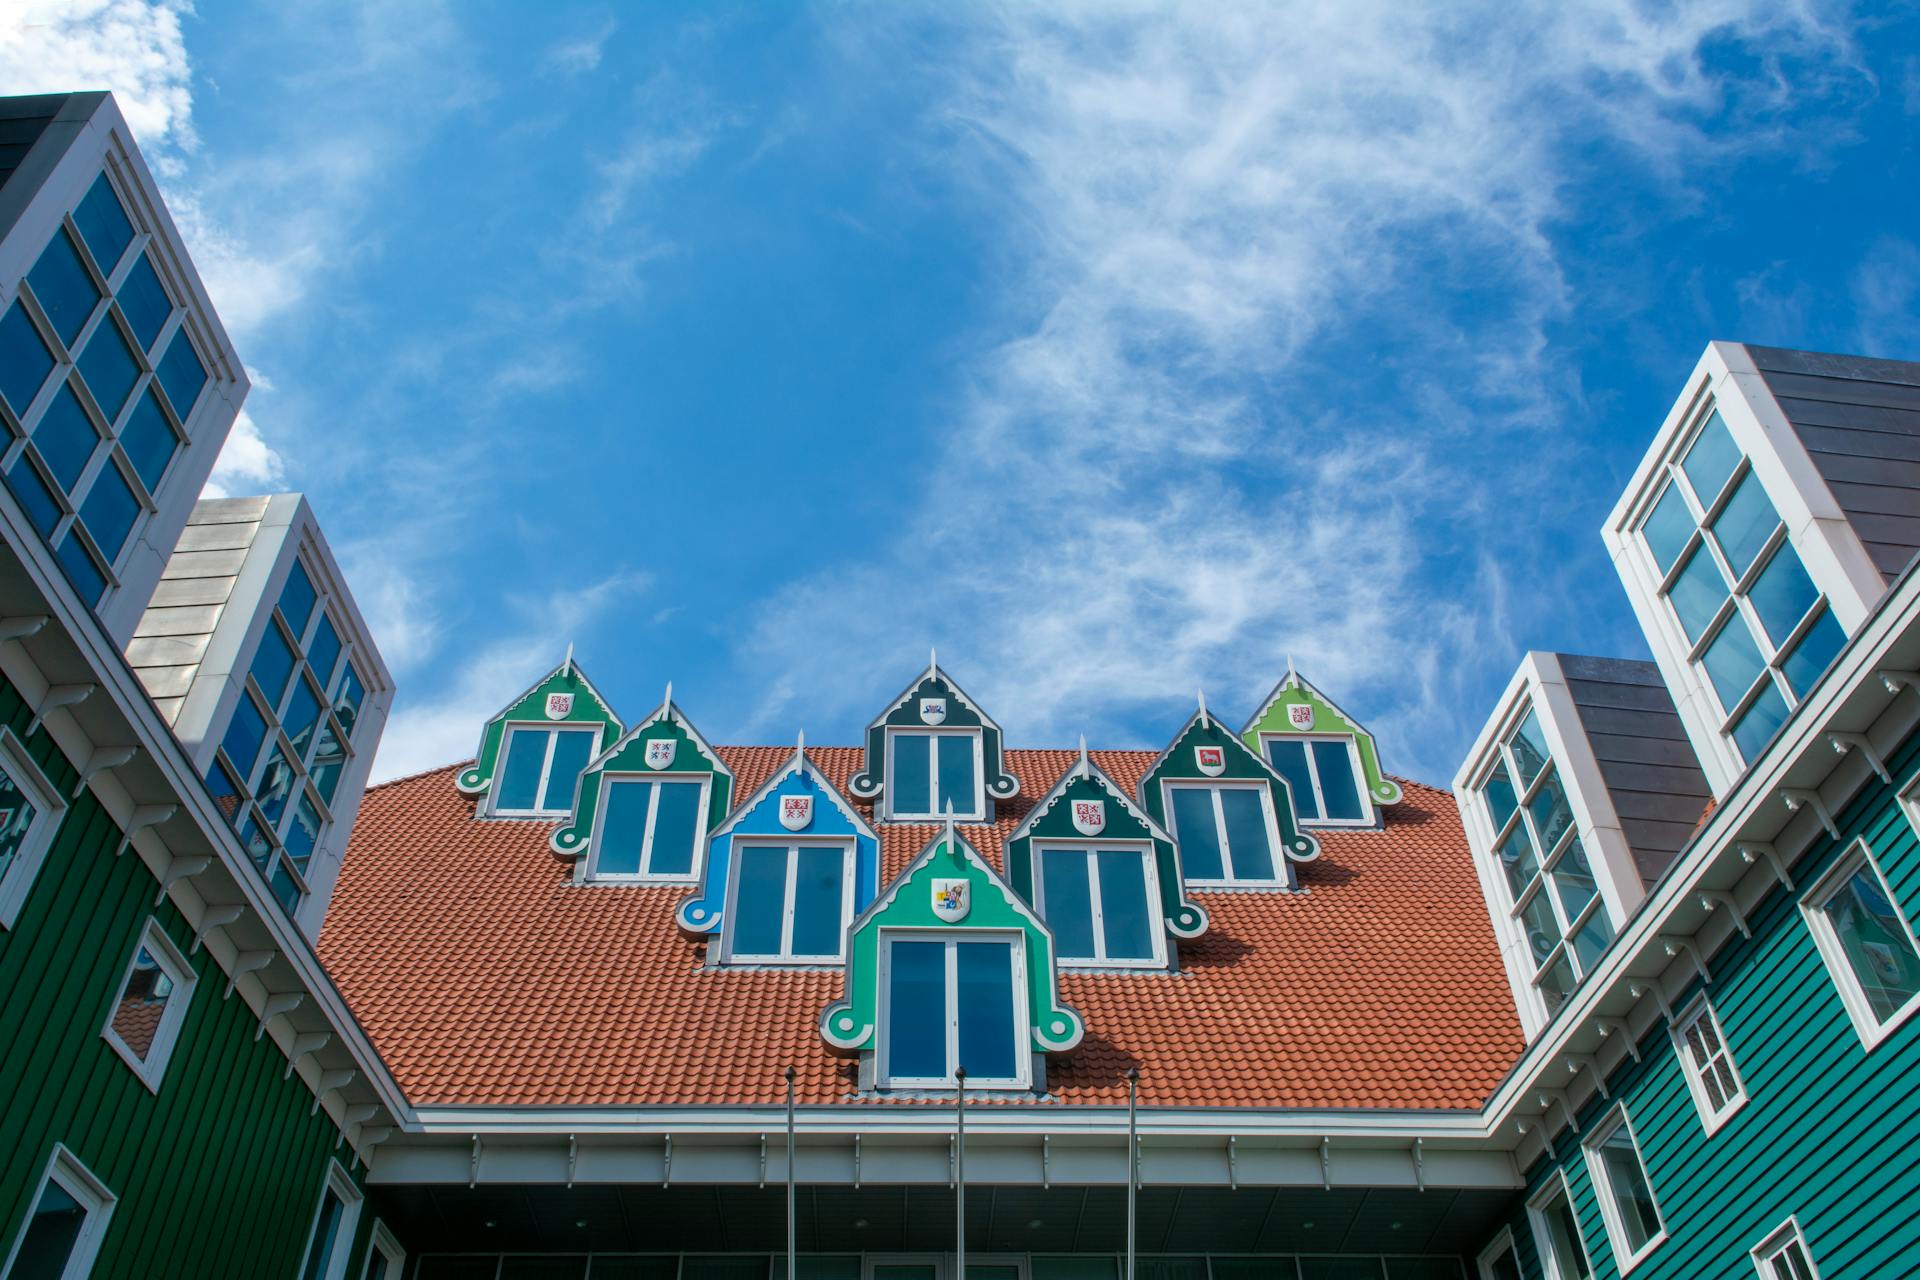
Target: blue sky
{"type": "Point", "coordinates": [1118, 350]}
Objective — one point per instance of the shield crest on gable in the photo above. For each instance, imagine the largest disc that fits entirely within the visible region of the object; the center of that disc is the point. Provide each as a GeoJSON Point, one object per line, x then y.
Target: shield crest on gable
{"type": "Point", "coordinates": [1089, 817]}
{"type": "Point", "coordinates": [559, 706]}
{"type": "Point", "coordinates": [1300, 715]}
{"type": "Point", "coordinates": [660, 752]}
{"type": "Point", "coordinates": [796, 812]}
{"type": "Point", "coordinates": [933, 710]}
{"type": "Point", "coordinates": [1211, 761]}
{"type": "Point", "coordinates": [951, 898]}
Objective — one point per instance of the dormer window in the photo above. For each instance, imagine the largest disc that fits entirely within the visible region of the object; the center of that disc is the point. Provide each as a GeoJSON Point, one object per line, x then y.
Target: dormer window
{"type": "Point", "coordinates": [931, 773]}
{"type": "Point", "coordinates": [1226, 832]}
{"type": "Point", "coordinates": [1324, 774]}
{"type": "Point", "coordinates": [1329, 760]}
{"type": "Point", "coordinates": [542, 763]}
{"type": "Point", "coordinates": [952, 1001]}
{"type": "Point", "coordinates": [649, 828]}
{"type": "Point", "coordinates": [790, 902]}
{"type": "Point", "coordinates": [1101, 903]}
{"type": "Point", "coordinates": [933, 750]}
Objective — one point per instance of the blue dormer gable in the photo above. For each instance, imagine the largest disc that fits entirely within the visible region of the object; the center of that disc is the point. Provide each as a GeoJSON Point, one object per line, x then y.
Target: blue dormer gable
{"type": "Point", "coordinates": [933, 754]}
{"type": "Point", "coordinates": [786, 873]}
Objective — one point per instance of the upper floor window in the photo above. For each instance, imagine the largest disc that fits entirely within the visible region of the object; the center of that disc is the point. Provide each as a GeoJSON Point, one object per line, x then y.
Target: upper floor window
{"type": "Point", "coordinates": [66, 1224]}
{"type": "Point", "coordinates": [152, 1003]}
{"type": "Point", "coordinates": [1324, 774]}
{"type": "Point", "coordinates": [330, 1243]}
{"type": "Point", "coordinates": [1708, 1064]}
{"type": "Point", "coordinates": [1226, 832]}
{"type": "Point", "coordinates": [1101, 904]}
{"type": "Point", "coordinates": [30, 809]}
{"type": "Point", "coordinates": [1752, 619]}
{"type": "Point", "coordinates": [1867, 944]}
{"type": "Point", "coordinates": [1555, 897]}
{"type": "Point", "coordinates": [1556, 1232]}
{"type": "Point", "coordinates": [952, 1002]}
{"type": "Point", "coordinates": [541, 764]}
{"type": "Point", "coordinates": [1626, 1198]}
{"type": "Point", "coordinates": [649, 828]}
{"type": "Point", "coordinates": [1783, 1255]}
{"type": "Point", "coordinates": [931, 772]}
{"type": "Point", "coordinates": [791, 902]}
{"type": "Point", "coordinates": [1499, 1261]}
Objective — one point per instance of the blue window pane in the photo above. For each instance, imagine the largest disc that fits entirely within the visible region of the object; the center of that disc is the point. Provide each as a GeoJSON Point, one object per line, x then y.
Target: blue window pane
{"type": "Point", "coordinates": [257, 843]}
{"type": "Point", "coordinates": [760, 900]}
{"type": "Point", "coordinates": [571, 751]}
{"type": "Point", "coordinates": [1698, 593]}
{"type": "Point", "coordinates": [285, 888]}
{"type": "Point", "coordinates": [1732, 661]}
{"type": "Point", "coordinates": [1069, 903]}
{"type": "Point", "coordinates": [32, 491]}
{"type": "Point", "coordinates": [323, 651]}
{"type": "Point", "coordinates": [1125, 909]}
{"type": "Point", "coordinates": [329, 758]}
{"type": "Point", "coordinates": [103, 224]}
{"type": "Point", "coordinates": [1197, 831]}
{"type": "Point", "coordinates": [303, 713]}
{"type": "Point", "coordinates": [1552, 818]}
{"type": "Point", "coordinates": [1760, 722]}
{"type": "Point", "coordinates": [1668, 527]}
{"type": "Point", "coordinates": [272, 664]}
{"type": "Point", "coordinates": [1744, 524]}
{"type": "Point", "coordinates": [1518, 859]}
{"type": "Point", "coordinates": [985, 997]}
{"type": "Point", "coordinates": [1711, 460]}
{"type": "Point", "coordinates": [65, 291]}
{"type": "Point", "coordinates": [1542, 930]}
{"type": "Point", "coordinates": [819, 900]}
{"type": "Point", "coordinates": [1876, 943]}
{"type": "Point", "coordinates": [518, 787]}
{"type": "Point", "coordinates": [911, 781]}
{"type": "Point", "coordinates": [108, 367]}
{"type": "Point", "coordinates": [144, 301]}
{"type": "Point", "coordinates": [676, 829]}
{"type": "Point", "coordinates": [109, 511]}
{"type": "Point", "coordinates": [303, 833]}
{"type": "Point", "coordinates": [1339, 789]}
{"type": "Point", "coordinates": [1500, 796]}
{"type": "Point", "coordinates": [623, 827]}
{"type": "Point", "coordinates": [1247, 842]}
{"type": "Point", "coordinates": [149, 441]}
{"type": "Point", "coordinates": [296, 600]}
{"type": "Point", "coordinates": [225, 792]}
{"type": "Point", "coordinates": [25, 361]}
{"type": "Point", "coordinates": [181, 374]}
{"type": "Point", "coordinates": [346, 701]}
{"type": "Point", "coordinates": [1573, 881]}
{"type": "Point", "coordinates": [956, 773]}
{"type": "Point", "coordinates": [277, 782]}
{"type": "Point", "coordinates": [916, 1030]}
{"type": "Point", "coordinates": [88, 582]}
{"type": "Point", "coordinates": [1815, 652]}
{"type": "Point", "coordinates": [1529, 747]}
{"type": "Point", "coordinates": [1782, 594]}
{"type": "Point", "coordinates": [66, 438]}
{"type": "Point", "coordinates": [1289, 757]}
{"type": "Point", "coordinates": [1591, 942]}
{"type": "Point", "coordinates": [245, 732]}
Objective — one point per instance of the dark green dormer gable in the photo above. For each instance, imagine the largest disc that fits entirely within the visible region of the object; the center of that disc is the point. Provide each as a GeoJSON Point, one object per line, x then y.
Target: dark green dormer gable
{"type": "Point", "coordinates": [1327, 757]}
{"type": "Point", "coordinates": [532, 752]}
{"type": "Point", "coordinates": [947, 924]}
{"type": "Point", "coordinates": [1229, 811]}
{"type": "Point", "coordinates": [934, 751]}
{"type": "Point", "coordinates": [646, 804]}
{"type": "Point", "coordinates": [1102, 873]}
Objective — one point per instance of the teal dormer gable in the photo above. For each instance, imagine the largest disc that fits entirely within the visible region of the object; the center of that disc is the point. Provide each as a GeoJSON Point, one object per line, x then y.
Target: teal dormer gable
{"type": "Point", "coordinates": [531, 754]}
{"type": "Point", "coordinates": [932, 753]}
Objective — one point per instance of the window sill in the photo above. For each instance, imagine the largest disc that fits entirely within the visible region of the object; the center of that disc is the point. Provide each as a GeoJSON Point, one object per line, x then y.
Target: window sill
{"type": "Point", "coordinates": [152, 1070]}
{"type": "Point", "coordinates": [1628, 1262]}
{"type": "Point", "coordinates": [1871, 1036]}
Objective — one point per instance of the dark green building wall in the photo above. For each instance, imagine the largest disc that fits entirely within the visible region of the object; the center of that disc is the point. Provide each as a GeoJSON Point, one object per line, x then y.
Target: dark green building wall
{"type": "Point", "coordinates": [216, 1175]}
{"type": "Point", "coordinates": [1830, 1131]}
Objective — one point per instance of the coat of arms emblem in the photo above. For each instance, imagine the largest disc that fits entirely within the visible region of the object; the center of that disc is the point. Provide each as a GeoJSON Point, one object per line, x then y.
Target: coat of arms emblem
{"type": "Point", "coordinates": [559, 706]}
{"type": "Point", "coordinates": [933, 710]}
{"type": "Point", "coordinates": [660, 752]}
{"type": "Point", "coordinates": [1089, 817]}
{"type": "Point", "coordinates": [1211, 761]}
{"type": "Point", "coordinates": [1300, 715]}
{"type": "Point", "coordinates": [796, 812]}
{"type": "Point", "coordinates": [950, 900]}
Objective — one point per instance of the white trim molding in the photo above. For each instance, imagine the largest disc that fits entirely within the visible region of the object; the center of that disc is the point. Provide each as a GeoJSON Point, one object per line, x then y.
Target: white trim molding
{"type": "Point", "coordinates": [1871, 1026]}
{"type": "Point", "coordinates": [96, 1203]}
{"type": "Point", "coordinates": [1784, 1254]}
{"type": "Point", "coordinates": [1626, 1255]}
{"type": "Point", "coordinates": [172, 966]}
{"type": "Point", "coordinates": [17, 880]}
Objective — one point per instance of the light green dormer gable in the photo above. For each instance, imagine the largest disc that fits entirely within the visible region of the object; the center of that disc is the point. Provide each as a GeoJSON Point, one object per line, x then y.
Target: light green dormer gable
{"type": "Point", "coordinates": [532, 751]}
{"type": "Point", "coordinates": [1327, 757]}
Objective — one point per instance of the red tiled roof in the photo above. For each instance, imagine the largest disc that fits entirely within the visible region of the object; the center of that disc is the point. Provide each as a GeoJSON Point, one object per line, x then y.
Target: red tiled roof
{"type": "Point", "coordinates": [485, 976]}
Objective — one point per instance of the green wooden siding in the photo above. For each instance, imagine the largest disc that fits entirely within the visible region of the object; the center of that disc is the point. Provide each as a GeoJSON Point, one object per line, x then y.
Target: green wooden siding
{"type": "Point", "coordinates": [217, 1174]}
{"type": "Point", "coordinates": [1830, 1132]}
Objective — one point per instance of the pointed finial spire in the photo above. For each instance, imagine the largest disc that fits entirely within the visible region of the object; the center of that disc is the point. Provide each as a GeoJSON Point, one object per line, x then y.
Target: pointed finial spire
{"type": "Point", "coordinates": [1291, 673]}
{"type": "Point", "coordinates": [799, 748]}
{"type": "Point", "coordinates": [1084, 764]}
{"type": "Point", "coordinates": [933, 662]}
{"type": "Point", "coordinates": [1206, 721]}
{"type": "Point", "coordinates": [666, 703]}
{"type": "Point", "coordinates": [566, 668]}
{"type": "Point", "coordinates": [952, 847]}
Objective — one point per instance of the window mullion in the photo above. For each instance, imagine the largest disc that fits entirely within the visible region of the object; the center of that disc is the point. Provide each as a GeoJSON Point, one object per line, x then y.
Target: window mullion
{"type": "Point", "coordinates": [646, 836]}
{"type": "Point", "coordinates": [786, 926]}
{"type": "Point", "coordinates": [546, 768]}
{"type": "Point", "coordinates": [1093, 901]}
{"type": "Point", "coordinates": [1220, 833]}
{"type": "Point", "coordinates": [952, 994]}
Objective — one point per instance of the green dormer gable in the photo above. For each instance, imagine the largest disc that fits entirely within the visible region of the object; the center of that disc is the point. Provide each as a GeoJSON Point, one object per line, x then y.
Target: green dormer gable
{"type": "Point", "coordinates": [933, 751]}
{"type": "Point", "coordinates": [533, 750]}
{"type": "Point", "coordinates": [1326, 755]}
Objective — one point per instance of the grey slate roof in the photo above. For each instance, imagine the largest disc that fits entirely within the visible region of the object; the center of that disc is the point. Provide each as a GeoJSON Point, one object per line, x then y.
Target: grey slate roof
{"type": "Point", "coordinates": [1860, 419]}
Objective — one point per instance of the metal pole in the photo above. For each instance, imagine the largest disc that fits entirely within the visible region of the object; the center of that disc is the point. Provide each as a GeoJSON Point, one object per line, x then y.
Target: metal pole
{"type": "Point", "coordinates": [793, 1263]}
{"type": "Point", "coordinates": [1133, 1158]}
{"type": "Point", "coordinates": [959, 1174]}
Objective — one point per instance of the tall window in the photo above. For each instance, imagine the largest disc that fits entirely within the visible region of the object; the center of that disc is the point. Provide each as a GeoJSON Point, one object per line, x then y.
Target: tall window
{"type": "Point", "coordinates": [1753, 620]}
{"type": "Point", "coordinates": [539, 766]}
{"type": "Point", "coordinates": [64, 1227]}
{"type": "Point", "coordinates": [790, 902]}
{"type": "Point", "coordinates": [1867, 944]}
{"type": "Point", "coordinates": [152, 1004]}
{"type": "Point", "coordinates": [1784, 1255]}
{"type": "Point", "coordinates": [929, 772]}
{"type": "Point", "coordinates": [289, 740]}
{"type": "Point", "coordinates": [1554, 895]}
{"type": "Point", "coordinates": [30, 809]}
{"type": "Point", "coordinates": [1708, 1065]}
{"type": "Point", "coordinates": [648, 828]}
{"type": "Point", "coordinates": [1626, 1198]}
{"type": "Point", "coordinates": [1324, 775]}
{"type": "Point", "coordinates": [1226, 831]}
{"type": "Point", "coordinates": [98, 378]}
{"type": "Point", "coordinates": [1556, 1232]}
{"type": "Point", "coordinates": [1499, 1261]}
{"type": "Point", "coordinates": [1099, 903]}
{"type": "Point", "coordinates": [334, 1219]}
{"type": "Point", "coordinates": [952, 1002]}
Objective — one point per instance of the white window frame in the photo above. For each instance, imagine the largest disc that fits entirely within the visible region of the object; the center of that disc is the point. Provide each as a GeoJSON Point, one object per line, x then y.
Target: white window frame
{"type": "Point", "coordinates": [792, 846]}
{"type": "Point", "coordinates": [179, 970]}
{"type": "Point", "coordinates": [92, 1195]}
{"type": "Point", "coordinates": [1556, 1184]}
{"type": "Point", "coordinates": [1369, 816]}
{"type": "Point", "coordinates": [645, 875]}
{"type": "Point", "coordinates": [384, 1245]}
{"type": "Point", "coordinates": [1813, 904]}
{"type": "Point", "coordinates": [50, 807]}
{"type": "Point", "coordinates": [1625, 1259]}
{"type": "Point", "coordinates": [1157, 926]}
{"type": "Point", "coordinates": [978, 813]}
{"type": "Point", "coordinates": [1022, 1016]}
{"type": "Point", "coordinates": [1501, 1245]}
{"type": "Point", "coordinates": [1778, 1241]}
{"type": "Point", "coordinates": [1279, 849]}
{"type": "Point", "coordinates": [351, 1199]}
{"type": "Point", "coordinates": [556, 728]}
{"type": "Point", "coordinates": [1700, 1010]}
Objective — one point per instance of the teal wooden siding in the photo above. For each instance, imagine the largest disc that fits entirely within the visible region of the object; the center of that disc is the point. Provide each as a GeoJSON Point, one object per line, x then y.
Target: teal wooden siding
{"type": "Point", "coordinates": [1830, 1132]}
{"type": "Point", "coordinates": [217, 1174]}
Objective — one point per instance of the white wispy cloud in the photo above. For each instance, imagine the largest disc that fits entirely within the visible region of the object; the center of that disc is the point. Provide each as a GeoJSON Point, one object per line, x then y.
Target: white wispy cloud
{"type": "Point", "coordinates": [580, 54]}
{"type": "Point", "coordinates": [132, 47]}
